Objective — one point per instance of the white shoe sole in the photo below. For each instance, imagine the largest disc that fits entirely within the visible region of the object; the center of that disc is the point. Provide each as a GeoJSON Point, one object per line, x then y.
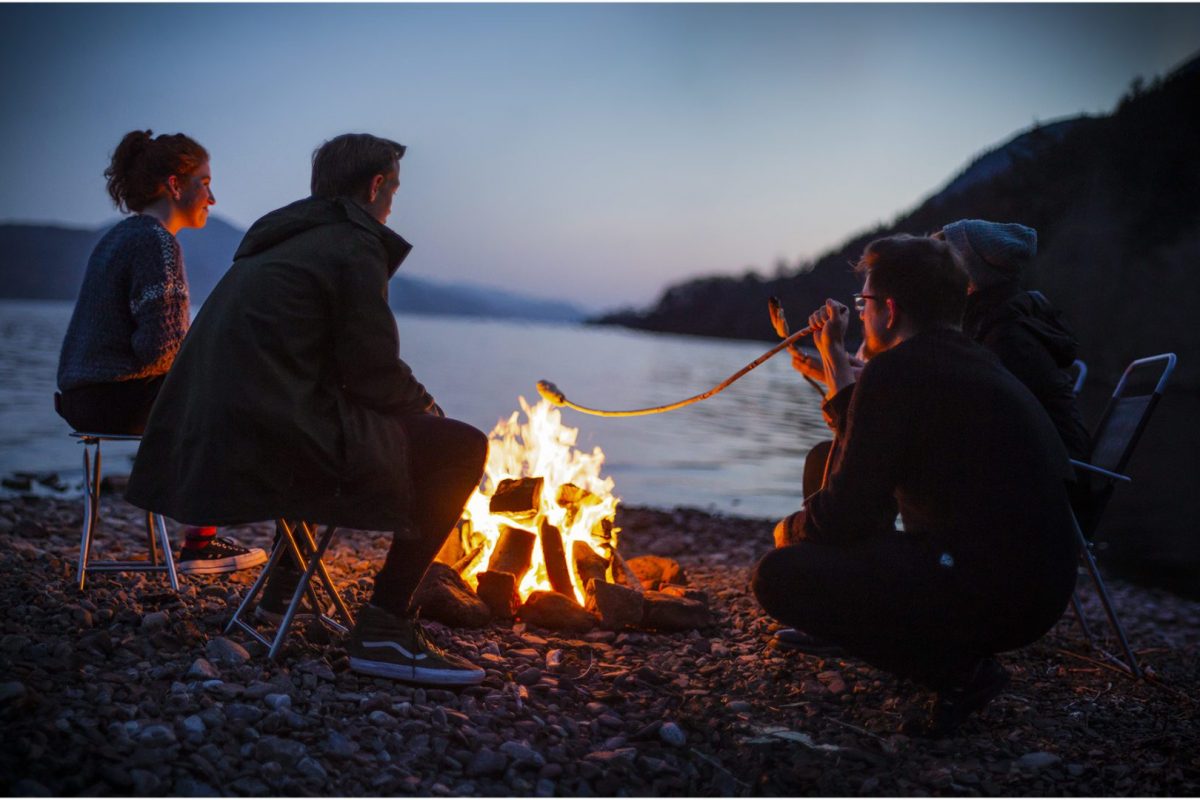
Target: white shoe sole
{"type": "Point", "coordinates": [215, 566]}
{"type": "Point", "coordinates": [425, 675]}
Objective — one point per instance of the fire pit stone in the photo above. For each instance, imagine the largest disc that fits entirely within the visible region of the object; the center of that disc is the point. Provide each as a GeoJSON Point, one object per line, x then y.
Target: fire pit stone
{"type": "Point", "coordinates": [618, 606]}
{"type": "Point", "coordinates": [556, 612]}
{"type": "Point", "coordinates": [656, 571]}
{"type": "Point", "coordinates": [665, 612]}
{"type": "Point", "coordinates": [445, 597]}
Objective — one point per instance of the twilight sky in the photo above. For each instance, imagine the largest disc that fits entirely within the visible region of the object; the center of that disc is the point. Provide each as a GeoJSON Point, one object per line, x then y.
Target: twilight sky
{"type": "Point", "coordinates": [592, 153]}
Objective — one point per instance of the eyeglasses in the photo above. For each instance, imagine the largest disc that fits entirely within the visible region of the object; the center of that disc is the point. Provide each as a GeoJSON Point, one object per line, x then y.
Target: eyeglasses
{"type": "Point", "coordinates": [860, 301]}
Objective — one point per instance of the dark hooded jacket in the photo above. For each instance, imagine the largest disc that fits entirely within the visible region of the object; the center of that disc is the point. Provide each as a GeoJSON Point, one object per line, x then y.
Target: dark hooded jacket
{"type": "Point", "coordinates": [1029, 337]}
{"type": "Point", "coordinates": [287, 395]}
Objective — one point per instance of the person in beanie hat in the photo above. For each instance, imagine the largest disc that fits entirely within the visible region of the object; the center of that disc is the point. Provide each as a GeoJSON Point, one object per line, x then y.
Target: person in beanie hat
{"type": "Point", "coordinates": [1022, 328]}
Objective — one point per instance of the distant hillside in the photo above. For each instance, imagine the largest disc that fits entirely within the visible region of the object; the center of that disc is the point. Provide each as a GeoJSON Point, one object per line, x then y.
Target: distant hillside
{"type": "Point", "coordinates": [47, 262]}
{"type": "Point", "coordinates": [1116, 203]}
{"type": "Point", "coordinates": [1115, 200]}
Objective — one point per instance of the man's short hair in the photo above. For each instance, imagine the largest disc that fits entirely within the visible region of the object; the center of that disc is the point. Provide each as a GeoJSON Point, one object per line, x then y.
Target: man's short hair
{"type": "Point", "coordinates": [345, 165]}
{"type": "Point", "coordinates": [924, 277]}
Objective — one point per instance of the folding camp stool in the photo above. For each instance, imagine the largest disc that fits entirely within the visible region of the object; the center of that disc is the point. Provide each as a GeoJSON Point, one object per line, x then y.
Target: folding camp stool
{"type": "Point", "coordinates": [156, 528]}
{"type": "Point", "coordinates": [311, 567]}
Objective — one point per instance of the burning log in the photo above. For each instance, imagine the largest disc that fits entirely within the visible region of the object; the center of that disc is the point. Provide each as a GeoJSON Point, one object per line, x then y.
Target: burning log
{"type": "Point", "coordinates": [464, 563]}
{"type": "Point", "coordinates": [517, 498]}
{"type": "Point", "coordinates": [513, 553]}
{"type": "Point", "coordinates": [573, 499]}
{"type": "Point", "coordinates": [452, 549]}
{"type": "Point", "coordinates": [499, 591]}
{"type": "Point", "coordinates": [588, 565]}
{"type": "Point", "coordinates": [618, 606]}
{"type": "Point", "coordinates": [555, 558]}
{"type": "Point", "coordinates": [556, 612]}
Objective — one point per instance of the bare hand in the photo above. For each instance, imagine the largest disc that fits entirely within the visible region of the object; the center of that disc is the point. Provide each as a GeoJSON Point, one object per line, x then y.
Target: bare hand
{"type": "Point", "coordinates": [808, 366]}
{"type": "Point", "coordinates": [829, 324]}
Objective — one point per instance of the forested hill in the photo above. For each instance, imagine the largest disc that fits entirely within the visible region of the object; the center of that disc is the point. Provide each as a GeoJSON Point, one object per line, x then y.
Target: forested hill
{"type": "Point", "coordinates": [1115, 200]}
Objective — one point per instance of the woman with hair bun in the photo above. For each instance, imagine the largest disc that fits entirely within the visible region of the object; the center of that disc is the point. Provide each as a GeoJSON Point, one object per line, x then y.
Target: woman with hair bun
{"type": "Point", "coordinates": [132, 311]}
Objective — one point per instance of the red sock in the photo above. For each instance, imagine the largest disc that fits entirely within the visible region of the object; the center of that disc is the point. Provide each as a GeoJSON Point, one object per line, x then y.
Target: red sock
{"type": "Point", "coordinates": [198, 538]}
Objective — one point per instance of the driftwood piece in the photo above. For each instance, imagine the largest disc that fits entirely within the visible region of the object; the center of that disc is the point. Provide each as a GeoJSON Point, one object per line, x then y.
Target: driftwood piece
{"type": "Point", "coordinates": [588, 565]}
{"type": "Point", "coordinates": [556, 612]}
{"type": "Point", "coordinates": [622, 574]}
{"type": "Point", "coordinates": [517, 498]}
{"type": "Point", "coordinates": [499, 591]}
{"type": "Point", "coordinates": [555, 557]}
{"type": "Point", "coordinates": [513, 553]}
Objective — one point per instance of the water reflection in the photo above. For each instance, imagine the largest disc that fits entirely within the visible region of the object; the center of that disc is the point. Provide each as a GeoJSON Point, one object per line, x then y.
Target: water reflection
{"type": "Point", "coordinates": [741, 451]}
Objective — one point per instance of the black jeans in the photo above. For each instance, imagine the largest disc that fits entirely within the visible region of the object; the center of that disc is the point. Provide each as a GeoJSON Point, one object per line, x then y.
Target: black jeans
{"type": "Point", "coordinates": [446, 460]}
{"type": "Point", "coordinates": [121, 407]}
{"type": "Point", "coordinates": [887, 599]}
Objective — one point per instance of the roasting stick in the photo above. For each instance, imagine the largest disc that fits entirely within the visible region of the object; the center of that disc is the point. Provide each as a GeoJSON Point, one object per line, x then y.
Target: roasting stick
{"type": "Point", "coordinates": [552, 393]}
{"type": "Point", "coordinates": [780, 324]}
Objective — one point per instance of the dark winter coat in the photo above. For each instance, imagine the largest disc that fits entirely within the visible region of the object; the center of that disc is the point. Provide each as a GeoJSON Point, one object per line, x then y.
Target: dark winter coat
{"type": "Point", "coordinates": [1029, 337]}
{"type": "Point", "coordinates": [937, 429]}
{"type": "Point", "coordinates": [286, 397]}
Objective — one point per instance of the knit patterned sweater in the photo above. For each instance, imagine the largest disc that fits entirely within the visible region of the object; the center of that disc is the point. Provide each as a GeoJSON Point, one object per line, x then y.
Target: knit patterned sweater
{"type": "Point", "coordinates": [132, 311]}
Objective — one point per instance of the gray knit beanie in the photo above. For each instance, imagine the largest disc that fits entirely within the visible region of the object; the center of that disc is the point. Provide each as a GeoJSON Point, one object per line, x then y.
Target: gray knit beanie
{"type": "Point", "coordinates": [992, 252]}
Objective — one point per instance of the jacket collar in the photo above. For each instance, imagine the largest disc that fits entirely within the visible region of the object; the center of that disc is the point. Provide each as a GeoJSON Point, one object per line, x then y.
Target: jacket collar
{"type": "Point", "coordinates": [396, 246]}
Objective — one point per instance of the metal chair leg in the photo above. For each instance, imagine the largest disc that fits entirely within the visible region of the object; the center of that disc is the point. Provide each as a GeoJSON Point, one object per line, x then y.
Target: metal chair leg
{"type": "Point", "coordinates": [1087, 632]}
{"type": "Point", "coordinates": [165, 542]}
{"type": "Point", "coordinates": [236, 620]}
{"type": "Point", "coordinates": [338, 603]}
{"type": "Point", "coordinates": [1130, 664]}
{"type": "Point", "coordinates": [89, 517]}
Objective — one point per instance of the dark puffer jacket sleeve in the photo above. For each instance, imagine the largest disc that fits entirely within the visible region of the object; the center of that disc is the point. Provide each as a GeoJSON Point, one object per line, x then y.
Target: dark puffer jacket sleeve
{"type": "Point", "coordinates": [368, 344]}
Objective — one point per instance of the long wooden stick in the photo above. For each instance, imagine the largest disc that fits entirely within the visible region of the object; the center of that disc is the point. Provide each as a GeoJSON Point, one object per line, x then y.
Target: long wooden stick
{"type": "Point", "coordinates": [780, 324]}
{"type": "Point", "coordinates": [552, 393]}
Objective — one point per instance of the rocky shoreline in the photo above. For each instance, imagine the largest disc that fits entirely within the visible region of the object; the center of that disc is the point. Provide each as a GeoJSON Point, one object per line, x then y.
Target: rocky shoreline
{"type": "Point", "coordinates": [130, 689]}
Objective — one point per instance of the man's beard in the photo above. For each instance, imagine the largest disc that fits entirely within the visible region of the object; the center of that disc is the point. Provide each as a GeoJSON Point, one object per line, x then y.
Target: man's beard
{"type": "Point", "coordinates": [874, 345]}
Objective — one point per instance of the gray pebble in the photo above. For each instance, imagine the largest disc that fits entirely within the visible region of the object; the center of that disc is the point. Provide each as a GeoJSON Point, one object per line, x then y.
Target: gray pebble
{"type": "Point", "coordinates": [311, 768]}
{"type": "Point", "coordinates": [145, 783]}
{"type": "Point", "coordinates": [1038, 760]}
{"type": "Point", "coordinates": [155, 620]}
{"type": "Point", "coordinates": [522, 753]}
{"type": "Point", "coordinates": [278, 701]}
{"type": "Point", "coordinates": [740, 707]}
{"type": "Point", "coordinates": [338, 745]}
{"type": "Point", "coordinates": [672, 734]}
{"type": "Point", "coordinates": [283, 751]}
{"type": "Point", "coordinates": [157, 735]}
{"type": "Point", "coordinates": [226, 651]}
{"type": "Point", "coordinates": [203, 669]}
{"type": "Point", "coordinates": [193, 725]}
{"type": "Point", "coordinates": [12, 690]}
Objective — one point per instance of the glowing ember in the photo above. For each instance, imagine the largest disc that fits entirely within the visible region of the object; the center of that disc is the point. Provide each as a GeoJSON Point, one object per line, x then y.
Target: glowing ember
{"type": "Point", "coordinates": [573, 498]}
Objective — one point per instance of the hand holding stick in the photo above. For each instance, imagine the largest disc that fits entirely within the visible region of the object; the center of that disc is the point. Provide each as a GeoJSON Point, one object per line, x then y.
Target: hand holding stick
{"type": "Point", "coordinates": [780, 324]}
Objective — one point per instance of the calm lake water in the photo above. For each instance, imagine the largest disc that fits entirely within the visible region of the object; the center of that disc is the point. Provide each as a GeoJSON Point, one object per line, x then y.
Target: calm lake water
{"type": "Point", "coordinates": [741, 452]}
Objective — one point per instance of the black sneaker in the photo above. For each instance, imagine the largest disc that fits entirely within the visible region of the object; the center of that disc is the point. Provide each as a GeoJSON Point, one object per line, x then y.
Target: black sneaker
{"type": "Point", "coordinates": [953, 706]}
{"type": "Point", "coordinates": [219, 555]}
{"type": "Point", "coordinates": [801, 642]}
{"type": "Point", "coordinates": [387, 646]}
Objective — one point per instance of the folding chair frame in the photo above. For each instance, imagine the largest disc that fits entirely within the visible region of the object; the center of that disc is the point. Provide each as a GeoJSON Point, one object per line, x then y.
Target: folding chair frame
{"type": "Point", "coordinates": [156, 528]}
{"type": "Point", "coordinates": [1130, 664]}
{"type": "Point", "coordinates": [310, 567]}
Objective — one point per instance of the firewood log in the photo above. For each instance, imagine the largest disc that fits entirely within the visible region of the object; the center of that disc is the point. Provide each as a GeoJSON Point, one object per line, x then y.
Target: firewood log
{"type": "Point", "coordinates": [555, 557]}
{"type": "Point", "coordinates": [513, 553]}
{"type": "Point", "coordinates": [518, 499]}
{"type": "Point", "coordinates": [588, 565]}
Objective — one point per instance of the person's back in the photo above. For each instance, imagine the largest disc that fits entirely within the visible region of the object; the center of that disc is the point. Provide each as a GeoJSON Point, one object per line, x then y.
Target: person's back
{"type": "Point", "coordinates": [1022, 328]}
{"type": "Point", "coordinates": [976, 464]}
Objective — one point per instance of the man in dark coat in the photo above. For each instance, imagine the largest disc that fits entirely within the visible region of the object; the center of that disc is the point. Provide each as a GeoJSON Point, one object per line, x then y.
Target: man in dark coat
{"type": "Point", "coordinates": [288, 400]}
{"type": "Point", "coordinates": [934, 428]}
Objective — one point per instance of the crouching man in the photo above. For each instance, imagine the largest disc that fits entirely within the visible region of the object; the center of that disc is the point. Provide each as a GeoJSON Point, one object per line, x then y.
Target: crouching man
{"type": "Point", "coordinates": [936, 429]}
{"type": "Point", "coordinates": [305, 410]}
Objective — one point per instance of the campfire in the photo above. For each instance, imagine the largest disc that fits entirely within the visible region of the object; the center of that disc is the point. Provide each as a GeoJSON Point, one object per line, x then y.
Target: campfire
{"type": "Point", "coordinates": [538, 539]}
